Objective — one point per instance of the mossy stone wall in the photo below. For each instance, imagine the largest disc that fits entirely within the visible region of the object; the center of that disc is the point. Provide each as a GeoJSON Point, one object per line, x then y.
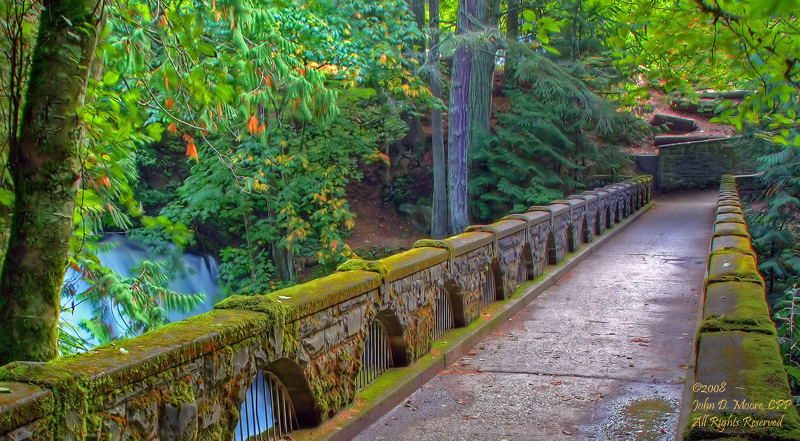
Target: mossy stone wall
{"type": "Point", "coordinates": [740, 389]}
{"type": "Point", "coordinates": [188, 380]}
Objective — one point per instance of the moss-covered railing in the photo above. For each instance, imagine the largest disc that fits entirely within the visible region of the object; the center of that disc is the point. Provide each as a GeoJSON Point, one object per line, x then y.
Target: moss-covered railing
{"type": "Point", "coordinates": [188, 380]}
{"type": "Point", "coordinates": [740, 389]}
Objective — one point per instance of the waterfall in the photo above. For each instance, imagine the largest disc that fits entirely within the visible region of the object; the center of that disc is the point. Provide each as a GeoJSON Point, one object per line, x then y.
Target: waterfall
{"type": "Point", "coordinates": [201, 277]}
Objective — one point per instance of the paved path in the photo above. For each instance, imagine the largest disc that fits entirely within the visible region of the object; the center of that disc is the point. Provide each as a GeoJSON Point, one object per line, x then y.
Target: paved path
{"type": "Point", "coordinates": [602, 354]}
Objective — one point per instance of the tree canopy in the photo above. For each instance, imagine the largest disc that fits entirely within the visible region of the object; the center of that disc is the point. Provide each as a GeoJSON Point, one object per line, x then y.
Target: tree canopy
{"type": "Point", "coordinates": [257, 115]}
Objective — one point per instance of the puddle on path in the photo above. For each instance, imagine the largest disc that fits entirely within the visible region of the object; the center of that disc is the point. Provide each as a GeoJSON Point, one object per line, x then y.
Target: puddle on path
{"type": "Point", "coordinates": [639, 419]}
{"type": "Point", "coordinates": [646, 419]}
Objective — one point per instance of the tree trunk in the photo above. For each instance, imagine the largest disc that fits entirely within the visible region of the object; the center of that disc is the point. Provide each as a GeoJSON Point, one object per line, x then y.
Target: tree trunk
{"type": "Point", "coordinates": [481, 82]}
{"type": "Point", "coordinates": [458, 131]}
{"type": "Point", "coordinates": [439, 218]}
{"type": "Point", "coordinates": [45, 168]}
{"type": "Point", "coordinates": [284, 262]}
{"type": "Point", "coordinates": [575, 32]}
{"type": "Point", "coordinates": [414, 141]}
{"type": "Point", "coordinates": [512, 35]}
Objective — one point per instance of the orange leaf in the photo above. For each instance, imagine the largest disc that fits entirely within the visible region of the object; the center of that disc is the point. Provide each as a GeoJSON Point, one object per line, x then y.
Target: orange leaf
{"type": "Point", "coordinates": [261, 128]}
{"type": "Point", "coordinates": [166, 81]}
{"type": "Point", "coordinates": [296, 103]}
{"type": "Point", "coordinates": [252, 125]}
{"type": "Point", "coordinates": [383, 58]}
{"type": "Point", "coordinates": [191, 151]}
{"type": "Point", "coordinates": [105, 181]}
{"type": "Point", "coordinates": [173, 128]}
{"type": "Point", "coordinates": [334, 244]}
{"type": "Point", "coordinates": [269, 82]}
{"type": "Point", "coordinates": [163, 21]}
{"type": "Point", "coordinates": [170, 103]}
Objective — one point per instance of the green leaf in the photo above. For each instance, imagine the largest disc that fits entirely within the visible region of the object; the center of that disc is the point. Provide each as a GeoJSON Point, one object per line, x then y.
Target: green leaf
{"type": "Point", "coordinates": [551, 49]}
{"type": "Point", "coordinates": [207, 49]}
{"type": "Point", "coordinates": [5, 390]}
{"type": "Point", "coordinates": [110, 78]}
{"type": "Point", "coordinates": [6, 197]}
{"type": "Point", "coordinates": [529, 15]}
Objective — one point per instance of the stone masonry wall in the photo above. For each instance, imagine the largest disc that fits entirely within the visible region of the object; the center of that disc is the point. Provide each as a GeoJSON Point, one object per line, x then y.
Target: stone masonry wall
{"type": "Point", "coordinates": [701, 164]}
{"type": "Point", "coordinates": [740, 389]}
{"type": "Point", "coordinates": [188, 380]}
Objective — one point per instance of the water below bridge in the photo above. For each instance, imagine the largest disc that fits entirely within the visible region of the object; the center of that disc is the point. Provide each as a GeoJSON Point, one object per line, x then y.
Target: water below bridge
{"type": "Point", "coordinates": [600, 355]}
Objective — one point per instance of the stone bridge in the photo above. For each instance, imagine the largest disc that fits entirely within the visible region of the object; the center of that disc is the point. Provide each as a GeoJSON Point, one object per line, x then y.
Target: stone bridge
{"type": "Point", "coordinates": [301, 359]}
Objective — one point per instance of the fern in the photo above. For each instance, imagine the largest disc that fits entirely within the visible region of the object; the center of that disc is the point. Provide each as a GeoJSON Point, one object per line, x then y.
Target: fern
{"type": "Point", "coordinates": [546, 145]}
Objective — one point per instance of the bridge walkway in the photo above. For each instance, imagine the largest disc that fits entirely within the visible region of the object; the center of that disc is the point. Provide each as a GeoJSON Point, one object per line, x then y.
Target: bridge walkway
{"type": "Point", "coordinates": [600, 355]}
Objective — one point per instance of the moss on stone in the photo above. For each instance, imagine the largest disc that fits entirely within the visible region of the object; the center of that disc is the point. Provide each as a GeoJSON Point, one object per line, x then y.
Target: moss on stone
{"type": "Point", "coordinates": [729, 209]}
{"type": "Point", "coordinates": [23, 405]}
{"type": "Point", "coordinates": [750, 366]}
{"type": "Point", "coordinates": [736, 306]}
{"type": "Point", "coordinates": [733, 244]}
{"type": "Point", "coordinates": [180, 392]}
{"type": "Point", "coordinates": [731, 229]}
{"type": "Point", "coordinates": [733, 267]}
{"type": "Point", "coordinates": [432, 243]}
{"type": "Point", "coordinates": [318, 294]}
{"type": "Point", "coordinates": [274, 310]}
{"type": "Point", "coordinates": [412, 261]}
{"type": "Point", "coordinates": [375, 266]}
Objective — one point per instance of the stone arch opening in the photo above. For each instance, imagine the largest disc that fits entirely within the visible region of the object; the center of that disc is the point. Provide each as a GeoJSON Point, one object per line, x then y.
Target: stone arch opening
{"type": "Point", "coordinates": [395, 331]}
{"type": "Point", "coordinates": [376, 357]}
{"type": "Point", "coordinates": [574, 239]}
{"type": "Point", "coordinates": [293, 379]}
{"type": "Point", "coordinates": [443, 317]}
{"type": "Point", "coordinates": [493, 289]}
{"type": "Point", "coordinates": [587, 232]}
{"type": "Point", "coordinates": [525, 271]}
{"type": "Point", "coordinates": [456, 295]}
{"type": "Point", "coordinates": [552, 254]}
{"type": "Point", "coordinates": [277, 401]}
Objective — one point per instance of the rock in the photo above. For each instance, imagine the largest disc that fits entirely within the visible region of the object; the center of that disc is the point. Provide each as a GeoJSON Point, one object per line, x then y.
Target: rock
{"type": "Point", "coordinates": [418, 215]}
{"type": "Point", "coordinates": [179, 425]}
{"type": "Point", "coordinates": [674, 124]}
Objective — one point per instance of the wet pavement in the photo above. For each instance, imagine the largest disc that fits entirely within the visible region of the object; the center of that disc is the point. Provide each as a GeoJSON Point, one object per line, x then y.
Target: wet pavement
{"type": "Point", "coordinates": [601, 355]}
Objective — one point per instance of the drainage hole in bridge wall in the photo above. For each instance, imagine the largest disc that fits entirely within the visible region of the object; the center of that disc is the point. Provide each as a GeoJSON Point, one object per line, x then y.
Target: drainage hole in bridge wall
{"type": "Point", "coordinates": [377, 356]}
{"type": "Point", "coordinates": [443, 315]}
{"type": "Point", "coordinates": [267, 413]}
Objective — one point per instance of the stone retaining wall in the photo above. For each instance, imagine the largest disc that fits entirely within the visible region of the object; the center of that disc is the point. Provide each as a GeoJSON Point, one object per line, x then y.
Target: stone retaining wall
{"type": "Point", "coordinates": [701, 164]}
{"type": "Point", "coordinates": [740, 390]}
{"type": "Point", "coordinates": [188, 380]}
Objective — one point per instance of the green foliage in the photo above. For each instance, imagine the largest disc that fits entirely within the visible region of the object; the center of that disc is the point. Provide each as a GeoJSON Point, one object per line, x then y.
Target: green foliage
{"type": "Point", "coordinates": [133, 304]}
{"type": "Point", "coordinates": [787, 320]}
{"type": "Point", "coordinates": [547, 144]}
{"type": "Point", "coordinates": [284, 191]}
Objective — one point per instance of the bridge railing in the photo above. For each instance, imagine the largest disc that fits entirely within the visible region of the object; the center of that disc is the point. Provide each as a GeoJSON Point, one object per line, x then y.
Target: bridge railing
{"type": "Point", "coordinates": [740, 389]}
{"type": "Point", "coordinates": [295, 357]}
